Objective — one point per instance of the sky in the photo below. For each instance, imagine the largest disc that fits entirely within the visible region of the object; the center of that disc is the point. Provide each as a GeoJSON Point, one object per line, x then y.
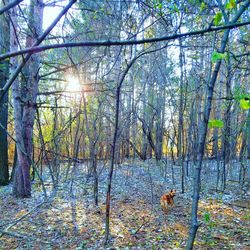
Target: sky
{"type": "Point", "coordinates": [50, 12]}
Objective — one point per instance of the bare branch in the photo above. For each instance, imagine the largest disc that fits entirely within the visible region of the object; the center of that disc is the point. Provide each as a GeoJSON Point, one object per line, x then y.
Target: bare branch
{"type": "Point", "coordinates": [39, 40]}
{"type": "Point", "coordinates": [9, 6]}
{"type": "Point", "coordinates": [37, 49]}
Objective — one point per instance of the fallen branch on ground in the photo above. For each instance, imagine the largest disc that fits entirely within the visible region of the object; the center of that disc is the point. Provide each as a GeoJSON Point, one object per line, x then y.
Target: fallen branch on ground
{"type": "Point", "coordinates": [5, 231]}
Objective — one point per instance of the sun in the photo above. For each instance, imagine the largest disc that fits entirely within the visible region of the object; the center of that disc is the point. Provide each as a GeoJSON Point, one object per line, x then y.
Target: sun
{"type": "Point", "coordinates": [73, 84]}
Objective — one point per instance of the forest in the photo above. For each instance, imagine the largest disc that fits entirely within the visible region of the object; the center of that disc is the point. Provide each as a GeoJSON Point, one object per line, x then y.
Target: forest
{"type": "Point", "coordinates": [124, 124]}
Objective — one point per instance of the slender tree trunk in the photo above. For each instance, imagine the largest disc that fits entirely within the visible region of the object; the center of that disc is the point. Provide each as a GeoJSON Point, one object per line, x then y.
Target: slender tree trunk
{"type": "Point", "coordinates": [180, 132]}
{"type": "Point", "coordinates": [108, 196]}
{"type": "Point", "coordinates": [159, 122]}
{"type": "Point", "coordinates": [201, 147]}
{"type": "Point", "coordinates": [4, 73]}
{"type": "Point", "coordinates": [227, 130]}
{"type": "Point", "coordinates": [215, 149]}
{"type": "Point", "coordinates": [130, 112]}
{"type": "Point", "coordinates": [248, 135]}
{"type": "Point", "coordinates": [203, 132]}
{"type": "Point", "coordinates": [114, 143]}
{"type": "Point", "coordinates": [56, 143]}
{"type": "Point", "coordinates": [13, 66]}
{"type": "Point", "coordinates": [144, 146]}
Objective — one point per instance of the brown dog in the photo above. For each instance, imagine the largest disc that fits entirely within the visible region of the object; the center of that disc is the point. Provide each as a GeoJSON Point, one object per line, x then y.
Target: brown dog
{"type": "Point", "coordinates": [167, 200]}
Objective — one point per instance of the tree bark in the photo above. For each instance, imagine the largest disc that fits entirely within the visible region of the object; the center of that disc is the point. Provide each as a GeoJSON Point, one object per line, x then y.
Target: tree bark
{"type": "Point", "coordinates": [25, 107]}
{"type": "Point", "coordinates": [203, 132]}
{"type": "Point", "coordinates": [4, 73]}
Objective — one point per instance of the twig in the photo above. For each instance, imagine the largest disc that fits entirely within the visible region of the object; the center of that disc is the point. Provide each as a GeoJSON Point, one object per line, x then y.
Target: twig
{"type": "Point", "coordinates": [143, 224]}
{"type": "Point", "coordinates": [9, 6]}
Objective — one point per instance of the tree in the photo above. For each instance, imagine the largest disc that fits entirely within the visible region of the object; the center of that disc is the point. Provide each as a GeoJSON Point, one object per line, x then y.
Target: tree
{"type": "Point", "coordinates": [24, 103]}
{"type": "Point", "coordinates": [204, 124]}
{"type": "Point", "coordinates": [4, 73]}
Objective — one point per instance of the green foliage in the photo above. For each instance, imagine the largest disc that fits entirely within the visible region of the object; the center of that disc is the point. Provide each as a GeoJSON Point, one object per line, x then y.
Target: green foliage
{"type": "Point", "coordinates": [217, 18]}
{"type": "Point", "coordinates": [158, 4]}
{"type": "Point", "coordinates": [215, 124]}
{"type": "Point", "coordinates": [203, 6]}
{"type": "Point", "coordinates": [239, 93]}
{"type": "Point", "coordinates": [176, 9]}
{"type": "Point", "coordinates": [245, 103]}
{"type": "Point", "coordinates": [247, 216]}
{"type": "Point", "coordinates": [242, 97]}
{"type": "Point", "coordinates": [218, 56]}
{"type": "Point", "coordinates": [207, 217]}
{"type": "Point", "coordinates": [208, 220]}
{"type": "Point", "coordinates": [231, 5]}
{"type": "Point", "coordinates": [47, 128]}
{"type": "Point", "coordinates": [95, 15]}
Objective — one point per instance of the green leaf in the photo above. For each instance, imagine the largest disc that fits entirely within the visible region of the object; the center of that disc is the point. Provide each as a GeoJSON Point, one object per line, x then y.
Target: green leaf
{"type": "Point", "coordinates": [215, 124]}
{"type": "Point", "coordinates": [245, 103]}
{"type": "Point", "coordinates": [240, 93]}
{"type": "Point", "coordinates": [207, 217]}
{"type": "Point", "coordinates": [158, 4]}
{"type": "Point", "coordinates": [218, 56]}
{"type": "Point", "coordinates": [95, 16]}
{"type": "Point", "coordinates": [203, 6]}
{"type": "Point", "coordinates": [231, 4]}
{"type": "Point", "coordinates": [217, 18]}
{"type": "Point", "coordinates": [176, 9]}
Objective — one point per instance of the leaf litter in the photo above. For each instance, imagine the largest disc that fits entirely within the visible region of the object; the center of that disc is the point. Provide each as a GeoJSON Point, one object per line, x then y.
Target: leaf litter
{"type": "Point", "coordinates": [70, 220]}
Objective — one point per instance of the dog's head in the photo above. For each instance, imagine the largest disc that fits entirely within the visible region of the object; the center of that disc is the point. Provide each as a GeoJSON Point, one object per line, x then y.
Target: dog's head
{"type": "Point", "coordinates": [173, 192]}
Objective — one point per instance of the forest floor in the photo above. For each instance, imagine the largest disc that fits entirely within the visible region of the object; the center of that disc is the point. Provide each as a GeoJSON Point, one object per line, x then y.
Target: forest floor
{"type": "Point", "coordinates": [70, 220]}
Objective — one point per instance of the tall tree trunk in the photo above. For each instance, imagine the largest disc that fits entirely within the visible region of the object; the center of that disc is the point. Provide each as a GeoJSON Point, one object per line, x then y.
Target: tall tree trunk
{"type": "Point", "coordinates": [129, 115]}
{"type": "Point", "coordinates": [114, 144]}
{"type": "Point", "coordinates": [4, 73]}
{"type": "Point", "coordinates": [13, 66]}
{"type": "Point", "coordinates": [25, 108]}
{"type": "Point", "coordinates": [144, 146]}
{"type": "Point", "coordinates": [180, 132]}
{"type": "Point", "coordinates": [159, 122]}
{"type": "Point", "coordinates": [248, 135]}
{"type": "Point", "coordinates": [217, 115]}
{"type": "Point", "coordinates": [180, 118]}
{"type": "Point", "coordinates": [203, 132]}
{"type": "Point", "coordinates": [227, 130]}
{"type": "Point", "coordinates": [201, 148]}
